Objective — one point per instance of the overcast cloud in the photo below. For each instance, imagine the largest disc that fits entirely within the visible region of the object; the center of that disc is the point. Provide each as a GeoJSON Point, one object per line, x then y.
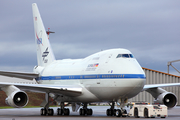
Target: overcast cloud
{"type": "Point", "coordinates": [149, 29]}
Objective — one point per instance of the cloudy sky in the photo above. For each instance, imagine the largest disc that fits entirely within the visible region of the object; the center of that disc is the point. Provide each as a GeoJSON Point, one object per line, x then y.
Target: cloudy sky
{"type": "Point", "coordinates": [149, 29]}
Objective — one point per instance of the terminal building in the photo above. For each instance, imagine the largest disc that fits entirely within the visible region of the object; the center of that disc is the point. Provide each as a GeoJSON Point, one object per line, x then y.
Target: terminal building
{"type": "Point", "coordinates": [157, 77]}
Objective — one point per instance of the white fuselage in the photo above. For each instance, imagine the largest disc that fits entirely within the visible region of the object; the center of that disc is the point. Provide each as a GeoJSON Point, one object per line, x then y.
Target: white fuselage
{"type": "Point", "coordinates": [103, 76]}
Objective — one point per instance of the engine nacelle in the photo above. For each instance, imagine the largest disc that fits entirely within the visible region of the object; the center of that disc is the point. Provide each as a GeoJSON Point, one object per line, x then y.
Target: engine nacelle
{"type": "Point", "coordinates": [17, 99]}
{"type": "Point", "coordinates": [167, 98]}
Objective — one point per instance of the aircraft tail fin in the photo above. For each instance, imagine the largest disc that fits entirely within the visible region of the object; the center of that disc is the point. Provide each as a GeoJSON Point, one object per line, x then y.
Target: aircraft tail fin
{"type": "Point", "coordinates": [45, 54]}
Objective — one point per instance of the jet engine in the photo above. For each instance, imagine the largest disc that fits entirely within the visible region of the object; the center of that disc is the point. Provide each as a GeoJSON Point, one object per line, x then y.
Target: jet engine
{"type": "Point", "coordinates": [17, 99]}
{"type": "Point", "coordinates": [167, 98]}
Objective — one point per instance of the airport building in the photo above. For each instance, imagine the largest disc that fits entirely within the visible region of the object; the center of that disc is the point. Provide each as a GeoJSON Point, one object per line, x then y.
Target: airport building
{"type": "Point", "coordinates": [157, 77]}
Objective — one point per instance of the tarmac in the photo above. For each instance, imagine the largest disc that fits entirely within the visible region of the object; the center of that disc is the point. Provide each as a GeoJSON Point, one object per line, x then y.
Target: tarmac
{"type": "Point", "coordinates": [99, 113]}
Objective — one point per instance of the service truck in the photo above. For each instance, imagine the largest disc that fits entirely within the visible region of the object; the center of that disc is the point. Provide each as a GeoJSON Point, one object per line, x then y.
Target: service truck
{"type": "Point", "coordinates": [147, 110]}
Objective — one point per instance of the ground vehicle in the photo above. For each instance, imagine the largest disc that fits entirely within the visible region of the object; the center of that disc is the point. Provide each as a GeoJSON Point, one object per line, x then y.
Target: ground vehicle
{"type": "Point", "coordinates": [147, 110]}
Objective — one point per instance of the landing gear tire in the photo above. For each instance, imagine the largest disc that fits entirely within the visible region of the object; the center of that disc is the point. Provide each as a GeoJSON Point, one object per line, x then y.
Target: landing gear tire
{"type": "Point", "coordinates": [50, 112]}
{"type": "Point", "coordinates": [63, 112]}
{"type": "Point", "coordinates": [89, 112]}
{"type": "Point", "coordinates": [43, 112]}
{"type": "Point", "coordinates": [66, 112]}
{"type": "Point", "coordinates": [114, 112]}
{"type": "Point", "coordinates": [59, 111]}
{"type": "Point", "coordinates": [107, 112]}
{"type": "Point", "coordinates": [110, 112]}
{"type": "Point", "coordinates": [82, 112]}
{"type": "Point", "coordinates": [85, 111]}
{"type": "Point", "coordinates": [118, 113]}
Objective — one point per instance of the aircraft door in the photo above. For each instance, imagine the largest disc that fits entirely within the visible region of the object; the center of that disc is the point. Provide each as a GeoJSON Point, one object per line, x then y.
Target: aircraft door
{"type": "Point", "coordinates": [98, 80]}
{"type": "Point", "coordinates": [81, 76]}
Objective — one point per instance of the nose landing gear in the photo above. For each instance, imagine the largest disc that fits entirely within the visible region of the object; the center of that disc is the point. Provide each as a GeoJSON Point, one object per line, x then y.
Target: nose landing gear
{"type": "Point", "coordinates": [116, 112]}
{"type": "Point", "coordinates": [111, 111]}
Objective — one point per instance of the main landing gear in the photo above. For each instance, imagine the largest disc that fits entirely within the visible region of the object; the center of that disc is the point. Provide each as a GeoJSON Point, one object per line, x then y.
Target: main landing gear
{"type": "Point", "coordinates": [85, 111]}
{"type": "Point", "coordinates": [47, 111]}
{"type": "Point", "coordinates": [116, 112]}
{"type": "Point", "coordinates": [62, 110]}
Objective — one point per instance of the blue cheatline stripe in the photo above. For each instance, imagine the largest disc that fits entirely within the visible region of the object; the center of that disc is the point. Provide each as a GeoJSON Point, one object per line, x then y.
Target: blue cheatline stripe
{"type": "Point", "coordinates": [94, 76]}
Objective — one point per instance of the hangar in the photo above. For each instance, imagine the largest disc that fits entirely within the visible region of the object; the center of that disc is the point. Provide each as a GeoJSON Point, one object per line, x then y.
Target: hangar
{"type": "Point", "coordinates": [157, 77]}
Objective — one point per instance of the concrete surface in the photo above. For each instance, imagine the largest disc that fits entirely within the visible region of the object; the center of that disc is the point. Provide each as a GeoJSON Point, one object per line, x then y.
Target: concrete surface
{"type": "Point", "coordinates": [99, 113]}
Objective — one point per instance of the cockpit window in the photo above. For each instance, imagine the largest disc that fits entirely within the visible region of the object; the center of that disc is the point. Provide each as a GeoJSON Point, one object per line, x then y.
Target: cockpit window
{"type": "Point", "coordinates": [131, 56]}
{"type": "Point", "coordinates": [119, 55]}
{"type": "Point", "coordinates": [125, 56]}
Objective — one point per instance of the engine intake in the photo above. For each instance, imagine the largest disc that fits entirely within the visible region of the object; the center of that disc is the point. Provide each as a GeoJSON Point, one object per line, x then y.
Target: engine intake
{"type": "Point", "coordinates": [17, 99]}
{"type": "Point", "coordinates": [167, 98]}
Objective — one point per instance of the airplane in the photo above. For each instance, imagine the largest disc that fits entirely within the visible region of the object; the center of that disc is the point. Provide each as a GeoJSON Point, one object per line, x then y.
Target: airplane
{"type": "Point", "coordinates": [111, 76]}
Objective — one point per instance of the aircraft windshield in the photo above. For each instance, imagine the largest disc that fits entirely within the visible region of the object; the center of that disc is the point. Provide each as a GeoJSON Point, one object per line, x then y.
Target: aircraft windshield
{"type": "Point", "coordinates": [125, 56]}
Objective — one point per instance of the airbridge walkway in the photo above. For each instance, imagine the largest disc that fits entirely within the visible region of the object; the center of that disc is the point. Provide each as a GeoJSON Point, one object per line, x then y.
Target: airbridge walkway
{"type": "Point", "coordinates": [157, 77]}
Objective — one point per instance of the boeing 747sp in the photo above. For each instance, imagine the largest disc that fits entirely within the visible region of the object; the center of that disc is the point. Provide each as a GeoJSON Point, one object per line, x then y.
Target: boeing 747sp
{"type": "Point", "coordinates": [112, 76]}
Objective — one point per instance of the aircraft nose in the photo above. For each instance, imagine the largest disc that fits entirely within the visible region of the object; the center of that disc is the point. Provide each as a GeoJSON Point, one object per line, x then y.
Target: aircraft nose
{"type": "Point", "coordinates": [130, 67]}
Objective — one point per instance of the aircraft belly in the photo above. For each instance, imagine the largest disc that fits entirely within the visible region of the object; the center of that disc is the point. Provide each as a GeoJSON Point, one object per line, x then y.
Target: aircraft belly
{"type": "Point", "coordinates": [115, 89]}
{"type": "Point", "coordinates": [104, 90]}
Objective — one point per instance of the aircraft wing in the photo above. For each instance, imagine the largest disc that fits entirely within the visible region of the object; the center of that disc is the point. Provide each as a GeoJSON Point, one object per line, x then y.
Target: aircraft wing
{"type": "Point", "coordinates": [27, 76]}
{"type": "Point", "coordinates": [68, 90]}
{"type": "Point", "coordinates": [159, 85]}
